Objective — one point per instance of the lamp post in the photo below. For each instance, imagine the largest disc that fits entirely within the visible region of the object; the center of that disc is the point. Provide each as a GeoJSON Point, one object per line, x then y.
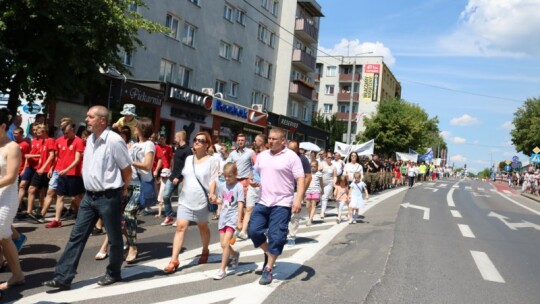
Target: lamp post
{"type": "Point", "coordinates": [349, 123]}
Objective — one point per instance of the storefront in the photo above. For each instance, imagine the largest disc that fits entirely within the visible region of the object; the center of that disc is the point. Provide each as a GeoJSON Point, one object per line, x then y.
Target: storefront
{"type": "Point", "coordinates": [230, 119]}
{"type": "Point", "coordinates": [299, 131]}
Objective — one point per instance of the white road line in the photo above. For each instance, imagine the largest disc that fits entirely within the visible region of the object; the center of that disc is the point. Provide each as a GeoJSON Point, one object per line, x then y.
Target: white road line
{"type": "Point", "coordinates": [507, 192]}
{"type": "Point", "coordinates": [486, 267]}
{"type": "Point", "coordinates": [493, 190]}
{"type": "Point", "coordinates": [519, 204]}
{"type": "Point", "coordinates": [468, 188]}
{"type": "Point", "coordinates": [466, 231]}
{"type": "Point", "coordinates": [449, 198]}
{"type": "Point", "coordinates": [443, 185]}
{"type": "Point", "coordinates": [455, 213]}
{"type": "Point", "coordinates": [480, 189]}
{"type": "Point", "coordinates": [430, 184]}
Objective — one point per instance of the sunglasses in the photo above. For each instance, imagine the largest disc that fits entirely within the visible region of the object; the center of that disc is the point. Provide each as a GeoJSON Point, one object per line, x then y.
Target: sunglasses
{"type": "Point", "coordinates": [199, 140]}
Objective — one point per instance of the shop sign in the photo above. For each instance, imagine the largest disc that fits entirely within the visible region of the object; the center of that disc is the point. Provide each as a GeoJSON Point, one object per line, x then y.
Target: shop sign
{"type": "Point", "coordinates": [288, 124]}
{"type": "Point", "coordinates": [190, 96]}
{"type": "Point", "coordinates": [231, 109]}
{"type": "Point", "coordinates": [257, 118]}
{"type": "Point", "coordinates": [133, 92]}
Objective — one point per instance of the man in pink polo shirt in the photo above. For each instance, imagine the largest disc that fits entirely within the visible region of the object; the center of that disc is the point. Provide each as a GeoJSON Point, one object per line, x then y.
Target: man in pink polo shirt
{"type": "Point", "coordinates": [278, 168]}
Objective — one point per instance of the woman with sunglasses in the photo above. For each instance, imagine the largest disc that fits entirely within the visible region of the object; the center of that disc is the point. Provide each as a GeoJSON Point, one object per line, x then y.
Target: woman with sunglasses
{"type": "Point", "coordinates": [198, 190]}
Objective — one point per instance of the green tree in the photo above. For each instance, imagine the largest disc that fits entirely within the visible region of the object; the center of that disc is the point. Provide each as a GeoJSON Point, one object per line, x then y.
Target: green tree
{"type": "Point", "coordinates": [525, 135]}
{"type": "Point", "coordinates": [335, 127]}
{"type": "Point", "coordinates": [399, 125]}
{"type": "Point", "coordinates": [486, 173]}
{"type": "Point", "coordinates": [57, 47]}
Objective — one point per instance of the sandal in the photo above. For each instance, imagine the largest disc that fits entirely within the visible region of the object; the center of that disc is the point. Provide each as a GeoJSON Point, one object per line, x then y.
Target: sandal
{"type": "Point", "coordinates": [203, 259]}
{"type": "Point", "coordinates": [101, 256]}
{"type": "Point", "coordinates": [3, 266]}
{"type": "Point", "coordinates": [172, 267]}
{"type": "Point", "coordinates": [6, 285]}
{"type": "Point", "coordinates": [130, 259]}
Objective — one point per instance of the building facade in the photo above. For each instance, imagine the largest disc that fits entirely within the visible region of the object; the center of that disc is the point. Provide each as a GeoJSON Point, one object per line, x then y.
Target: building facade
{"type": "Point", "coordinates": [364, 80]}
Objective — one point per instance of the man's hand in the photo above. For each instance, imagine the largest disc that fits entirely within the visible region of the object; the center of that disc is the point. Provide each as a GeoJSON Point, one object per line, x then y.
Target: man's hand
{"type": "Point", "coordinates": [297, 206]}
{"type": "Point", "coordinates": [175, 181]}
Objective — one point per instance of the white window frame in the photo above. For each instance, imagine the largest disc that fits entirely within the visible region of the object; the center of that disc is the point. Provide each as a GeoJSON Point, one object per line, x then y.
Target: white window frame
{"type": "Point", "coordinates": [272, 40]}
{"type": "Point", "coordinates": [234, 89]}
{"type": "Point", "coordinates": [184, 76]}
{"type": "Point", "coordinates": [133, 8]}
{"type": "Point", "coordinates": [265, 98]}
{"type": "Point", "coordinates": [331, 71]}
{"type": "Point", "coordinates": [220, 86]}
{"type": "Point", "coordinates": [259, 62]}
{"type": "Point", "coordinates": [265, 4]}
{"type": "Point", "coordinates": [269, 69]}
{"type": "Point", "coordinates": [275, 8]}
{"type": "Point", "coordinates": [166, 70]}
{"type": "Point", "coordinates": [327, 108]}
{"type": "Point", "coordinates": [228, 12]}
{"type": "Point", "coordinates": [170, 22]}
{"type": "Point", "coordinates": [224, 49]}
{"type": "Point", "coordinates": [127, 58]}
{"type": "Point", "coordinates": [330, 89]}
{"type": "Point", "coordinates": [262, 33]}
{"type": "Point", "coordinates": [255, 97]}
{"type": "Point", "coordinates": [294, 108]}
{"type": "Point", "coordinates": [188, 36]}
{"type": "Point", "coordinates": [305, 113]}
{"type": "Point", "coordinates": [241, 17]}
{"type": "Point", "coordinates": [236, 52]}
{"type": "Point", "coordinates": [196, 2]}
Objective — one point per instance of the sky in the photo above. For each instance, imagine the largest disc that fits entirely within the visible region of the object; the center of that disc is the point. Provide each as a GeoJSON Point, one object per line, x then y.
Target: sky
{"type": "Point", "coordinates": [471, 63]}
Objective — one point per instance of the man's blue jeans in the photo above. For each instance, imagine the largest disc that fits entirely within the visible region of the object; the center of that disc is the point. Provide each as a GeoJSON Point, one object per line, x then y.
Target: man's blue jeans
{"type": "Point", "coordinates": [167, 194]}
{"type": "Point", "coordinates": [105, 205]}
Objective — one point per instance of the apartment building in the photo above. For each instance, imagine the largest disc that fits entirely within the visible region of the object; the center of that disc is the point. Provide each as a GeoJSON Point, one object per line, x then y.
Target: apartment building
{"type": "Point", "coordinates": [363, 81]}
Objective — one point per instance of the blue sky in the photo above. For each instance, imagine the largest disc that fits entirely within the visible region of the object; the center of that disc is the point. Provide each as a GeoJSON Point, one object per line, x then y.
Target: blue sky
{"type": "Point", "coordinates": [472, 63]}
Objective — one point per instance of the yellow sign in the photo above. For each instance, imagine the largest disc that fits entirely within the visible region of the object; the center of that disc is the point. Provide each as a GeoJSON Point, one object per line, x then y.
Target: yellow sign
{"type": "Point", "coordinates": [536, 150]}
{"type": "Point", "coordinates": [508, 162]}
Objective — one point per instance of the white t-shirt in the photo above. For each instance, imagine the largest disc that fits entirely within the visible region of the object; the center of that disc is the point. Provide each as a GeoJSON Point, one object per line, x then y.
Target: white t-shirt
{"type": "Point", "coordinates": [351, 169]}
{"type": "Point", "coordinates": [137, 152]}
{"type": "Point", "coordinates": [192, 195]}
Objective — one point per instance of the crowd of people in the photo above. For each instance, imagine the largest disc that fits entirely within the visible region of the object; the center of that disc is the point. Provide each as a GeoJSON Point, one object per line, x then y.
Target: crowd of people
{"type": "Point", "coordinates": [114, 171]}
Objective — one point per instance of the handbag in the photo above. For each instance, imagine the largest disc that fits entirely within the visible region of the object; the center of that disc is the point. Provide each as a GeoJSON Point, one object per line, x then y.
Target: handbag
{"type": "Point", "coordinates": [148, 193]}
{"type": "Point", "coordinates": [204, 189]}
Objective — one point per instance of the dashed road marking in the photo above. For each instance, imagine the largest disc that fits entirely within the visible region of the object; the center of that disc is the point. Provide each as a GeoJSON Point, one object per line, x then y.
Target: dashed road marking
{"type": "Point", "coordinates": [455, 213]}
{"type": "Point", "coordinates": [486, 267]}
{"type": "Point", "coordinates": [466, 231]}
{"type": "Point", "coordinates": [480, 189]}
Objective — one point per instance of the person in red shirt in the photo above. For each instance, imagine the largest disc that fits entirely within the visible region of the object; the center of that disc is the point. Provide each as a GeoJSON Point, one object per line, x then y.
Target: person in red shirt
{"type": "Point", "coordinates": [40, 180]}
{"type": "Point", "coordinates": [31, 161]}
{"type": "Point", "coordinates": [70, 182]}
{"type": "Point", "coordinates": [166, 153]}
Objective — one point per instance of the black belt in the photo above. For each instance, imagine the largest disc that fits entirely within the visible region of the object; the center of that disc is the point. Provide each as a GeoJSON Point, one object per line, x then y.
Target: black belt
{"type": "Point", "coordinates": [103, 193]}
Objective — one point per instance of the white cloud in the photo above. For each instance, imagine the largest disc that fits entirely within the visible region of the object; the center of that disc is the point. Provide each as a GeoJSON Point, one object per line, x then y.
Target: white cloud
{"type": "Point", "coordinates": [508, 125]}
{"type": "Point", "coordinates": [464, 120]}
{"type": "Point", "coordinates": [459, 140]}
{"type": "Point", "coordinates": [352, 47]}
{"type": "Point", "coordinates": [445, 134]}
{"type": "Point", "coordinates": [458, 158]}
{"type": "Point", "coordinates": [482, 162]}
{"type": "Point", "coordinates": [476, 141]}
{"type": "Point", "coordinates": [496, 28]}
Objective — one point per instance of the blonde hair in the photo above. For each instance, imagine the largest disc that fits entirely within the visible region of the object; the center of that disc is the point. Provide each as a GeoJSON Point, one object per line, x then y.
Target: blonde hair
{"type": "Point", "coordinates": [230, 167]}
{"type": "Point", "coordinates": [65, 122]}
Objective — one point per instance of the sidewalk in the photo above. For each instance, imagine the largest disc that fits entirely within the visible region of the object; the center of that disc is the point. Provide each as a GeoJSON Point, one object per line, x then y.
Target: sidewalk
{"type": "Point", "coordinates": [503, 185]}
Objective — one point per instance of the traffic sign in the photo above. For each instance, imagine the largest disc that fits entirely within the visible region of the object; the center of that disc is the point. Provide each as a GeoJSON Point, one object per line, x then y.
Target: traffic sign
{"type": "Point", "coordinates": [507, 168]}
{"type": "Point", "coordinates": [535, 158]}
{"type": "Point", "coordinates": [536, 150]}
{"type": "Point", "coordinates": [515, 159]}
{"type": "Point", "coordinates": [508, 162]}
{"type": "Point", "coordinates": [515, 165]}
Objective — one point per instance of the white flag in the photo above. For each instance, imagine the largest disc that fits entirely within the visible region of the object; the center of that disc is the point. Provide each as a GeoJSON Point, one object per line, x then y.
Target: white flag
{"type": "Point", "coordinates": [342, 148]}
{"type": "Point", "coordinates": [366, 148]}
{"type": "Point", "coordinates": [407, 156]}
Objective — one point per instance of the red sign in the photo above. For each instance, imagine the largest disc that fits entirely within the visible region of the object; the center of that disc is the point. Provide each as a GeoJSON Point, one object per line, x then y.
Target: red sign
{"type": "Point", "coordinates": [257, 118]}
{"type": "Point", "coordinates": [372, 68]}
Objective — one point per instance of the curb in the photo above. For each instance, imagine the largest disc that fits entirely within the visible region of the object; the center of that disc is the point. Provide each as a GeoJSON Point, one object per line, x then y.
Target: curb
{"type": "Point", "coordinates": [531, 197]}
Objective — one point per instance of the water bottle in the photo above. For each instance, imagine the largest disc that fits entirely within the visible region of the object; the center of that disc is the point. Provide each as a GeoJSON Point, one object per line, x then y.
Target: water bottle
{"type": "Point", "coordinates": [255, 176]}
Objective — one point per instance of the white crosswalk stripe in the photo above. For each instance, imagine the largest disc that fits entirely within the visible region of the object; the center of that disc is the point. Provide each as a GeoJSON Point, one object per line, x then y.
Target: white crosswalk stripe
{"type": "Point", "coordinates": [443, 185]}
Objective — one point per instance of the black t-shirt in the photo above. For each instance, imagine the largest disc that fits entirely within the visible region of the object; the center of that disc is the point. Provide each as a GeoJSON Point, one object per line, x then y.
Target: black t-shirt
{"type": "Point", "coordinates": [180, 155]}
{"type": "Point", "coordinates": [305, 165]}
{"type": "Point", "coordinates": [373, 168]}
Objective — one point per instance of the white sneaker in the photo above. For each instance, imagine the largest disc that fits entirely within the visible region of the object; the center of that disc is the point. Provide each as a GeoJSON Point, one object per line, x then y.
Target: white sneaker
{"type": "Point", "coordinates": [220, 275]}
{"type": "Point", "coordinates": [234, 263]}
{"type": "Point", "coordinates": [174, 224]}
{"type": "Point", "coordinates": [242, 235]}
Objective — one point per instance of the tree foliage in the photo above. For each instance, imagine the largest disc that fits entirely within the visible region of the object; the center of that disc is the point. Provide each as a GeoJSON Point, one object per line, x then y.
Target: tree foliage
{"type": "Point", "coordinates": [57, 47]}
{"type": "Point", "coordinates": [398, 126]}
{"type": "Point", "coordinates": [335, 127]}
{"type": "Point", "coordinates": [525, 134]}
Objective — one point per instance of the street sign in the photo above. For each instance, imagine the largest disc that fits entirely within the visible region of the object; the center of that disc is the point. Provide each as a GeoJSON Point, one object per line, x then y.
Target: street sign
{"type": "Point", "coordinates": [515, 159]}
{"type": "Point", "coordinates": [507, 168]}
{"type": "Point", "coordinates": [515, 165]}
{"type": "Point", "coordinates": [535, 158]}
{"type": "Point", "coordinates": [536, 150]}
{"type": "Point", "coordinates": [508, 162]}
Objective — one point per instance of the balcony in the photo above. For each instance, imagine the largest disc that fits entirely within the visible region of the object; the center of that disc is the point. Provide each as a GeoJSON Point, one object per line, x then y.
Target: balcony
{"type": "Point", "coordinates": [303, 60]}
{"type": "Point", "coordinates": [305, 30]}
{"type": "Point", "coordinates": [317, 76]}
{"type": "Point", "coordinates": [343, 116]}
{"type": "Point", "coordinates": [315, 96]}
{"type": "Point", "coordinates": [348, 77]}
{"type": "Point", "coordinates": [347, 96]}
{"type": "Point", "coordinates": [300, 90]}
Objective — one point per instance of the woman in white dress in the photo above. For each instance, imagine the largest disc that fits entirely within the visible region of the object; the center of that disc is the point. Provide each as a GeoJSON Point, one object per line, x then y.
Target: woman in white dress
{"type": "Point", "coordinates": [329, 176]}
{"type": "Point", "coordinates": [10, 159]}
{"type": "Point", "coordinates": [352, 167]}
{"type": "Point", "coordinates": [199, 187]}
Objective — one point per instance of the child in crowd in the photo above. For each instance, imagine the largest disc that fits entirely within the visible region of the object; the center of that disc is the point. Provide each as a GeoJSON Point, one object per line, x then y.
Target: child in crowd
{"type": "Point", "coordinates": [313, 192]}
{"type": "Point", "coordinates": [341, 193]}
{"type": "Point", "coordinates": [229, 194]}
{"type": "Point", "coordinates": [356, 202]}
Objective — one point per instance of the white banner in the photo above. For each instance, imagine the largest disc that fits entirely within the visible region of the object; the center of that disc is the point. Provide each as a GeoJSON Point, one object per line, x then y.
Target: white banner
{"type": "Point", "coordinates": [366, 148]}
{"type": "Point", "coordinates": [342, 148]}
{"type": "Point", "coordinates": [407, 156]}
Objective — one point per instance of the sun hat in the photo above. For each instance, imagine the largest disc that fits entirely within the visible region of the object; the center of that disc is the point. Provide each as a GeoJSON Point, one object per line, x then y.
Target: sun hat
{"type": "Point", "coordinates": [129, 109]}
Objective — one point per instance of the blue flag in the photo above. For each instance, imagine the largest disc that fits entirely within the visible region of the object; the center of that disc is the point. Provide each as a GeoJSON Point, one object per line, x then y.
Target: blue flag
{"type": "Point", "coordinates": [411, 151]}
{"type": "Point", "coordinates": [426, 157]}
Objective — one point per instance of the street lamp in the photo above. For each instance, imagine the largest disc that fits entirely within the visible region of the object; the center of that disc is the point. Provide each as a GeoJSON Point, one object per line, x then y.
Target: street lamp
{"type": "Point", "coordinates": [349, 123]}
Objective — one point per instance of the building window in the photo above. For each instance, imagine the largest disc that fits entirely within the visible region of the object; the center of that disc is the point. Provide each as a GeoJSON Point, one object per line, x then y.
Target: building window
{"type": "Point", "coordinates": [189, 34]}
{"type": "Point", "coordinates": [236, 52]}
{"type": "Point", "coordinates": [263, 33]}
{"type": "Point", "coordinates": [255, 97]}
{"type": "Point", "coordinates": [265, 98]}
{"type": "Point", "coordinates": [258, 65]}
{"type": "Point", "coordinates": [265, 4]}
{"type": "Point", "coordinates": [224, 49]}
{"type": "Point", "coordinates": [269, 69]}
{"type": "Point", "coordinates": [272, 41]}
{"type": "Point", "coordinates": [344, 108]}
{"type": "Point", "coordinates": [305, 114]}
{"type": "Point", "coordinates": [196, 2]}
{"type": "Point", "coordinates": [172, 23]}
{"type": "Point", "coordinates": [133, 8]}
{"type": "Point", "coordinates": [127, 59]}
{"type": "Point", "coordinates": [241, 17]}
{"type": "Point", "coordinates": [328, 108]}
{"type": "Point", "coordinates": [234, 89]}
{"type": "Point", "coordinates": [294, 108]}
{"type": "Point", "coordinates": [166, 71]}
{"type": "Point", "coordinates": [275, 8]}
{"type": "Point", "coordinates": [331, 70]}
{"type": "Point", "coordinates": [220, 86]}
{"type": "Point", "coordinates": [329, 89]}
{"type": "Point", "coordinates": [184, 75]}
{"type": "Point", "coordinates": [228, 12]}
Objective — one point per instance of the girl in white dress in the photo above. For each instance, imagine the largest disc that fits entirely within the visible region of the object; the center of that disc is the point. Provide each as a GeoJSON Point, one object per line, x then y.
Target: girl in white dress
{"type": "Point", "coordinates": [10, 159]}
{"type": "Point", "coordinates": [356, 202]}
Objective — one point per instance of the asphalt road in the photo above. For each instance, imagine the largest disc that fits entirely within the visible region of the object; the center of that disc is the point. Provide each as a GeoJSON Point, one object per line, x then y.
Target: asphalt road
{"type": "Point", "coordinates": [487, 255]}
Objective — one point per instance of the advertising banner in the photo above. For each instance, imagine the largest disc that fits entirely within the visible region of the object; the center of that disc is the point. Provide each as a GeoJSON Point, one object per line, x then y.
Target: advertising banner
{"type": "Point", "coordinates": [371, 82]}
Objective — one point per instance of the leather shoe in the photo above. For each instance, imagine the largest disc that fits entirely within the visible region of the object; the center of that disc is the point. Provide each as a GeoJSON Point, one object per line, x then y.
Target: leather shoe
{"type": "Point", "coordinates": [56, 284]}
{"type": "Point", "coordinates": [107, 280]}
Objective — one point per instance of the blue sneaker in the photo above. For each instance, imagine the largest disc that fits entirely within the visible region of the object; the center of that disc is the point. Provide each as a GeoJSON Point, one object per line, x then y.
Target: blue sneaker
{"type": "Point", "coordinates": [20, 242]}
{"type": "Point", "coordinates": [266, 277]}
